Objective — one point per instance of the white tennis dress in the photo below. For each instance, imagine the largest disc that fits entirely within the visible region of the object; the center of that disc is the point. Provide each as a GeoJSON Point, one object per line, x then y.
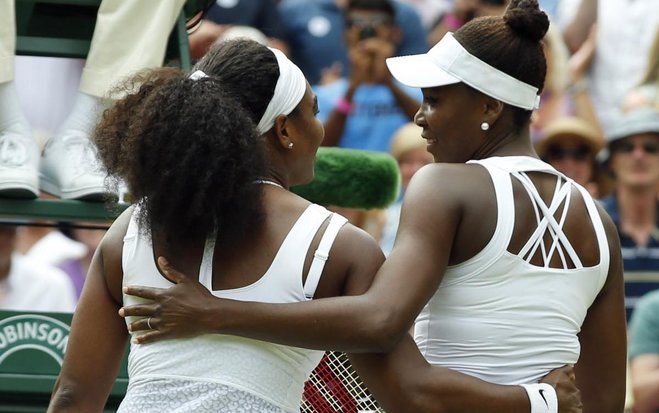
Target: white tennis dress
{"type": "Point", "coordinates": [219, 373]}
{"type": "Point", "coordinates": [500, 318]}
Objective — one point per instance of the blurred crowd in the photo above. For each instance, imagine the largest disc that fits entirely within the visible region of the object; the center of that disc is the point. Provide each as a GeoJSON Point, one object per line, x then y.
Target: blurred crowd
{"type": "Point", "coordinates": [598, 122]}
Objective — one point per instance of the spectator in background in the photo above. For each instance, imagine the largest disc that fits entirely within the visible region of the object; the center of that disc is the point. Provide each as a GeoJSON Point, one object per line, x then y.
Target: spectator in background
{"type": "Point", "coordinates": [409, 150]}
{"type": "Point", "coordinates": [27, 285]}
{"type": "Point", "coordinates": [570, 145]}
{"type": "Point", "coordinates": [633, 146]}
{"type": "Point", "coordinates": [261, 15]}
{"type": "Point", "coordinates": [363, 110]}
{"type": "Point", "coordinates": [644, 354]}
{"type": "Point", "coordinates": [625, 31]}
{"type": "Point", "coordinates": [315, 31]}
{"type": "Point", "coordinates": [633, 161]}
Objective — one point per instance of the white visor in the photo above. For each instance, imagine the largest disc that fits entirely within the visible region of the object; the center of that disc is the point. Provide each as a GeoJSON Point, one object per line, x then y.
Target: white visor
{"type": "Point", "coordinates": [448, 63]}
{"type": "Point", "coordinates": [289, 91]}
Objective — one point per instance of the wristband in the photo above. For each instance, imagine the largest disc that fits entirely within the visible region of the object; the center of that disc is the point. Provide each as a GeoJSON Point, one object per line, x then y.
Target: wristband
{"type": "Point", "coordinates": [543, 398]}
{"type": "Point", "coordinates": [343, 106]}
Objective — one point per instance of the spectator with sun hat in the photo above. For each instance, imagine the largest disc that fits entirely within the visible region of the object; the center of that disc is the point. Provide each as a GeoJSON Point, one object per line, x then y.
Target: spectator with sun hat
{"type": "Point", "coordinates": [570, 145]}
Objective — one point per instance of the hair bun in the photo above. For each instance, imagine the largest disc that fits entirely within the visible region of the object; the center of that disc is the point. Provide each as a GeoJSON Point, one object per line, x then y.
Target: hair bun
{"type": "Point", "coordinates": [526, 19]}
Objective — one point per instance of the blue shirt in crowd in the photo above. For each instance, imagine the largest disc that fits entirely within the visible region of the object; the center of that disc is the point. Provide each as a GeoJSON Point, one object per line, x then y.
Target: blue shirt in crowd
{"type": "Point", "coordinates": [314, 32]}
{"type": "Point", "coordinates": [636, 259]}
{"type": "Point", "coordinates": [375, 115]}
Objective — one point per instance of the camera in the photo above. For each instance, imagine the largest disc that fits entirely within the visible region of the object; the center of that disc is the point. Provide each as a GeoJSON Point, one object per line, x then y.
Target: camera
{"type": "Point", "coordinates": [367, 32]}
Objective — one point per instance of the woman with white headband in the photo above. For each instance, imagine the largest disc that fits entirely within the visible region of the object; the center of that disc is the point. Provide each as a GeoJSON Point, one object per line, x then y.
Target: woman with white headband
{"type": "Point", "coordinates": [509, 268]}
{"type": "Point", "coordinates": [208, 158]}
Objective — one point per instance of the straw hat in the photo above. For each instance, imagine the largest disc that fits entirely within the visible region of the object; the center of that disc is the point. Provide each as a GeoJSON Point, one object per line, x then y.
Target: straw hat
{"type": "Point", "coordinates": [573, 127]}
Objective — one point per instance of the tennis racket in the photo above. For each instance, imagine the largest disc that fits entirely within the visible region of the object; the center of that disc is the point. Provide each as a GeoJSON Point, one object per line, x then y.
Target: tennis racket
{"type": "Point", "coordinates": [335, 387]}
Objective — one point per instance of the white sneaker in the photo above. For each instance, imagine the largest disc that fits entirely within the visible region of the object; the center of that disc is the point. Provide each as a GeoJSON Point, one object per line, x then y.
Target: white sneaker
{"type": "Point", "coordinates": [70, 168]}
{"type": "Point", "coordinates": [19, 166]}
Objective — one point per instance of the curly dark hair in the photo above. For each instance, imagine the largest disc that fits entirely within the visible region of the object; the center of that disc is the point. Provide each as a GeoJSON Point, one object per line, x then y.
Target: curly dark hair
{"type": "Point", "coordinates": [512, 44]}
{"type": "Point", "coordinates": [189, 153]}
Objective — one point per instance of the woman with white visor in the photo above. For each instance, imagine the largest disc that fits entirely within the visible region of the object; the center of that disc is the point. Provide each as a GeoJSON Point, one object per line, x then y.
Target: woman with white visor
{"type": "Point", "coordinates": [509, 268]}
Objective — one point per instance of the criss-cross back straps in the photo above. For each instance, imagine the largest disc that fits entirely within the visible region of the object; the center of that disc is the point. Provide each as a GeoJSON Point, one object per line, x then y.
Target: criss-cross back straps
{"type": "Point", "coordinates": [547, 222]}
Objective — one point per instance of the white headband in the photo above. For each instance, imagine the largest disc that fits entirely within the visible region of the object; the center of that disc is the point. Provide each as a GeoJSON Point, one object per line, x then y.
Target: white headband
{"type": "Point", "coordinates": [448, 62]}
{"type": "Point", "coordinates": [289, 91]}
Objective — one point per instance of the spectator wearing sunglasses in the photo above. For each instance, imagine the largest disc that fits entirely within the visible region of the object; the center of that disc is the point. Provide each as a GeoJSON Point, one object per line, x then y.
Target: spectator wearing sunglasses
{"type": "Point", "coordinates": [633, 160]}
{"type": "Point", "coordinates": [570, 145]}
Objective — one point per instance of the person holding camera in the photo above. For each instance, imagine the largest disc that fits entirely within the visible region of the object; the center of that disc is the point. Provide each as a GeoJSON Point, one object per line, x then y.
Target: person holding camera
{"type": "Point", "coordinates": [364, 109]}
{"type": "Point", "coordinates": [314, 31]}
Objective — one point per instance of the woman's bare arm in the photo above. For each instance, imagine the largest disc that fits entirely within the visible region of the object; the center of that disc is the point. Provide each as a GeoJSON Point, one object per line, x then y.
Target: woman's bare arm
{"type": "Point", "coordinates": [403, 381]}
{"type": "Point", "coordinates": [601, 367]}
{"type": "Point", "coordinates": [98, 336]}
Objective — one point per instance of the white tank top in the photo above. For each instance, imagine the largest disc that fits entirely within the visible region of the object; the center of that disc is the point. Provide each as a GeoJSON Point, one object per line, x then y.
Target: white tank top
{"type": "Point", "coordinates": [273, 372]}
{"type": "Point", "coordinates": [500, 318]}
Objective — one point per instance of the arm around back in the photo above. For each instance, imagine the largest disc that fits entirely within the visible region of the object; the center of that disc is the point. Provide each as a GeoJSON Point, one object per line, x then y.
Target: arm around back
{"type": "Point", "coordinates": [188, 309]}
{"type": "Point", "coordinates": [376, 320]}
{"type": "Point", "coordinates": [403, 381]}
{"type": "Point", "coordinates": [371, 321]}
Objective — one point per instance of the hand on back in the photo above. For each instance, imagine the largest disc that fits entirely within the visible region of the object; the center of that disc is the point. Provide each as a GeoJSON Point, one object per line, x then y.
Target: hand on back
{"type": "Point", "coordinates": [176, 312]}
